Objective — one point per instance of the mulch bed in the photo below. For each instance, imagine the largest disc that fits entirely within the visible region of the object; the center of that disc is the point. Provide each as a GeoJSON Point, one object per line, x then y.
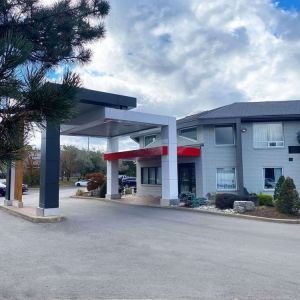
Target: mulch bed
{"type": "Point", "coordinates": [270, 212]}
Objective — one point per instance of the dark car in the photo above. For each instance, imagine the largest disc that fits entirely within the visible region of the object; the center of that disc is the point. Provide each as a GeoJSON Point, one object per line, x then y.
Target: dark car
{"type": "Point", "coordinates": [24, 188]}
{"type": "Point", "coordinates": [2, 190]}
{"type": "Point", "coordinates": [129, 182]}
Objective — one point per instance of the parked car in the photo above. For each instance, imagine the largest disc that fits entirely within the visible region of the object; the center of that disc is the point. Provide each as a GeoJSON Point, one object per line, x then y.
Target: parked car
{"type": "Point", "coordinates": [24, 188]}
{"type": "Point", "coordinates": [82, 182]}
{"type": "Point", "coordinates": [122, 177]}
{"type": "Point", "coordinates": [2, 189]}
{"type": "Point", "coordinates": [129, 182]}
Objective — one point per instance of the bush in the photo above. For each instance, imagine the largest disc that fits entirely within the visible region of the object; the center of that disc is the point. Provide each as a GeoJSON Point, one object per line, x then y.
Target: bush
{"type": "Point", "coordinates": [103, 190]}
{"type": "Point", "coordinates": [79, 192]}
{"type": "Point", "coordinates": [224, 201]}
{"type": "Point", "coordinates": [265, 200]}
{"type": "Point", "coordinates": [96, 180]}
{"type": "Point", "coordinates": [278, 187]}
{"type": "Point", "coordinates": [288, 199]}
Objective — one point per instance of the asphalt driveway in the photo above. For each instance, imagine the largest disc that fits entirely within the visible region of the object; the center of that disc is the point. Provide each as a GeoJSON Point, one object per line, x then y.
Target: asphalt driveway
{"type": "Point", "coordinates": [111, 250]}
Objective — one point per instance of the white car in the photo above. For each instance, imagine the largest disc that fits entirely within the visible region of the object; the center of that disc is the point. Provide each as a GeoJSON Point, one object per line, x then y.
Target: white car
{"type": "Point", "coordinates": [82, 182]}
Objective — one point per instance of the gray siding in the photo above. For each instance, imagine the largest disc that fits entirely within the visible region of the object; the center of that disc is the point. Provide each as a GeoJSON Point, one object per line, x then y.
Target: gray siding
{"type": "Point", "coordinates": [254, 160]}
{"type": "Point", "coordinates": [214, 157]}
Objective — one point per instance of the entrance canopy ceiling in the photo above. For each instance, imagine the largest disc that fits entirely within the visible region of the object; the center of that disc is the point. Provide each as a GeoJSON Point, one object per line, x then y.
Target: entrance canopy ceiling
{"type": "Point", "coordinates": [109, 115]}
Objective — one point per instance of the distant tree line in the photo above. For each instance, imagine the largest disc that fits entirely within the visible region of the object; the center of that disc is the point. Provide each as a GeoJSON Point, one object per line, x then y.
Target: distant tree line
{"type": "Point", "coordinates": [74, 164]}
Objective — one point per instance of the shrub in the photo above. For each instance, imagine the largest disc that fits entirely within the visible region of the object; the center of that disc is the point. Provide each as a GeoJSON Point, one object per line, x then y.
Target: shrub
{"type": "Point", "coordinates": [128, 191]}
{"type": "Point", "coordinates": [288, 199]}
{"type": "Point", "coordinates": [103, 190]}
{"type": "Point", "coordinates": [278, 187]}
{"type": "Point", "coordinates": [96, 180]}
{"type": "Point", "coordinates": [265, 200]}
{"type": "Point", "coordinates": [224, 201]}
{"type": "Point", "coordinates": [79, 192]}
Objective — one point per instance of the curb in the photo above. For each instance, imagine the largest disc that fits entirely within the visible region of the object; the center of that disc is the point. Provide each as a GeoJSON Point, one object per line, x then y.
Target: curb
{"type": "Point", "coordinates": [33, 219]}
{"type": "Point", "coordinates": [248, 217]}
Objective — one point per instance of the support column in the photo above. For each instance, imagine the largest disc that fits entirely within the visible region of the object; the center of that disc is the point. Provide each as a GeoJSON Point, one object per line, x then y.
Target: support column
{"type": "Point", "coordinates": [18, 189]}
{"type": "Point", "coordinates": [239, 158]}
{"type": "Point", "coordinates": [169, 165]}
{"type": "Point", "coordinates": [112, 172]}
{"type": "Point", "coordinates": [49, 180]}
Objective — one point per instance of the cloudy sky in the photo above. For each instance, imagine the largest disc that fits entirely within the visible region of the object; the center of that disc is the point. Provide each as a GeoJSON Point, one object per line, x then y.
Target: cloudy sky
{"type": "Point", "coordinates": [180, 57]}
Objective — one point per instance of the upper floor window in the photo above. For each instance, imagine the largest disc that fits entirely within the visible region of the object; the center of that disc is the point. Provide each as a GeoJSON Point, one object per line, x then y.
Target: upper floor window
{"type": "Point", "coordinates": [224, 135]}
{"type": "Point", "coordinates": [268, 135]}
{"type": "Point", "coordinates": [190, 133]}
{"type": "Point", "coordinates": [149, 139]}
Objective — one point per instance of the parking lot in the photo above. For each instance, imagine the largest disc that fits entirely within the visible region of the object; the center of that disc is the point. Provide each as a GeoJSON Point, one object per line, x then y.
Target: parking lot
{"type": "Point", "coordinates": [111, 250]}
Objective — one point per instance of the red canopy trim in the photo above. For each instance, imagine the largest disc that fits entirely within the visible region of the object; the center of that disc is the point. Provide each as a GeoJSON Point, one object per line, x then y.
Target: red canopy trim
{"type": "Point", "coordinates": [152, 152]}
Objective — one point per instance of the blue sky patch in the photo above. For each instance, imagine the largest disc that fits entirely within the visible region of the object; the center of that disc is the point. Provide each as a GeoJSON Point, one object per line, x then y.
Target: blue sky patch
{"type": "Point", "coordinates": [288, 4]}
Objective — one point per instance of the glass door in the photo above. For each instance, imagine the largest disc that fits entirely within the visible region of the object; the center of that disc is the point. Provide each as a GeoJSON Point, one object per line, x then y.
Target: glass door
{"type": "Point", "coordinates": [186, 178]}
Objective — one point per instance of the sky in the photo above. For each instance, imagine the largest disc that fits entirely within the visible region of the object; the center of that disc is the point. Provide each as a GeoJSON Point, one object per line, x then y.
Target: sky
{"type": "Point", "coordinates": [181, 57]}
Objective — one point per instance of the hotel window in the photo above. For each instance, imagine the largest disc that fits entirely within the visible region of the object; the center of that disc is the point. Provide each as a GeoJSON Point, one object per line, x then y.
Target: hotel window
{"type": "Point", "coordinates": [268, 135]}
{"type": "Point", "coordinates": [226, 179]}
{"type": "Point", "coordinates": [151, 175]}
{"type": "Point", "coordinates": [271, 176]}
{"type": "Point", "coordinates": [149, 139]}
{"type": "Point", "coordinates": [224, 135]}
{"type": "Point", "coordinates": [190, 133]}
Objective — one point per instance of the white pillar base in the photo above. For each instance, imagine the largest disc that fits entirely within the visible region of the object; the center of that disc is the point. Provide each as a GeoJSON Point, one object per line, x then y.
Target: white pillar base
{"type": "Point", "coordinates": [169, 202]}
{"type": "Point", "coordinates": [113, 196]}
{"type": "Point", "coordinates": [47, 212]}
{"type": "Point", "coordinates": [8, 203]}
{"type": "Point", "coordinates": [17, 203]}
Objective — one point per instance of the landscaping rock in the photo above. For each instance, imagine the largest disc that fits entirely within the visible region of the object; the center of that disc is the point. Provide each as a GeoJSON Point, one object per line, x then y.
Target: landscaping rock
{"type": "Point", "coordinates": [243, 206]}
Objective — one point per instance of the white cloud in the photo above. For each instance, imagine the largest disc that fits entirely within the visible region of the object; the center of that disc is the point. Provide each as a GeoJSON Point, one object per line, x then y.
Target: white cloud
{"type": "Point", "coordinates": [178, 57]}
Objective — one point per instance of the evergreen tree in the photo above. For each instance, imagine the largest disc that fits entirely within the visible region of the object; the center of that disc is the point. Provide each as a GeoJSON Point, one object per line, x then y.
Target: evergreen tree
{"type": "Point", "coordinates": [288, 200]}
{"type": "Point", "coordinates": [33, 41]}
{"type": "Point", "coordinates": [278, 187]}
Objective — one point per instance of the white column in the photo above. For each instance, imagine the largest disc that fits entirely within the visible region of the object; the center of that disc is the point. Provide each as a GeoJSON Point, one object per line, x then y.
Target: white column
{"type": "Point", "coordinates": [112, 173]}
{"type": "Point", "coordinates": [169, 165]}
{"type": "Point", "coordinates": [10, 186]}
{"type": "Point", "coordinates": [12, 182]}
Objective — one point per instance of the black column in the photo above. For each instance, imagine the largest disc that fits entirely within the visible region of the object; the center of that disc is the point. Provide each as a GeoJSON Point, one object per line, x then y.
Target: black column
{"type": "Point", "coordinates": [49, 180]}
{"type": "Point", "coordinates": [239, 158]}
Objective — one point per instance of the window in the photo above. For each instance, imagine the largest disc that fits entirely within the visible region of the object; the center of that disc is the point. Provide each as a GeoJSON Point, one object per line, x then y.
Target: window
{"type": "Point", "coordinates": [268, 135]}
{"type": "Point", "coordinates": [151, 175]}
{"type": "Point", "coordinates": [226, 179]}
{"type": "Point", "coordinates": [271, 176]}
{"type": "Point", "coordinates": [149, 139]}
{"type": "Point", "coordinates": [190, 133]}
{"type": "Point", "coordinates": [224, 135]}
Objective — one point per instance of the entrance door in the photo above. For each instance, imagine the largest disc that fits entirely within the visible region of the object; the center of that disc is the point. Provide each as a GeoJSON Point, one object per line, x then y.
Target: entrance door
{"type": "Point", "coordinates": [186, 178]}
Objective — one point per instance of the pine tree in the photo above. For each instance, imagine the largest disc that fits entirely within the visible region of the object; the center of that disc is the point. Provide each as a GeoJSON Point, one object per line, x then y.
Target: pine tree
{"type": "Point", "coordinates": [33, 41]}
{"type": "Point", "coordinates": [278, 187]}
{"type": "Point", "coordinates": [288, 200]}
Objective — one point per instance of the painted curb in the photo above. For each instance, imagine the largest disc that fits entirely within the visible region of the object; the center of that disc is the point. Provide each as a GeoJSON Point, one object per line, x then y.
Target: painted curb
{"type": "Point", "coordinates": [33, 219]}
{"type": "Point", "coordinates": [263, 219]}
